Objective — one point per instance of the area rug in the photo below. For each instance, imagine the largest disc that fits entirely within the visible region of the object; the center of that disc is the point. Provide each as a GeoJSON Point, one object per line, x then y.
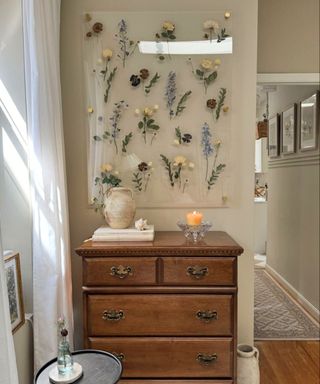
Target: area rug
{"type": "Point", "coordinates": [276, 315]}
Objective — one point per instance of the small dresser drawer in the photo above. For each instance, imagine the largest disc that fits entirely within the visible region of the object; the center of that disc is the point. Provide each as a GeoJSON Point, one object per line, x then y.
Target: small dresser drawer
{"type": "Point", "coordinates": [119, 271]}
{"type": "Point", "coordinates": [170, 357]}
{"type": "Point", "coordinates": [199, 271]}
{"type": "Point", "coordinates": [160, 315]}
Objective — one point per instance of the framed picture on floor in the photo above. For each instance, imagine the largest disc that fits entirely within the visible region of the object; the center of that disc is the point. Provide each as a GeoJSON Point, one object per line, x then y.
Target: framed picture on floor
{"type": "Point", "coordinates": [14, 284]}
{"type": "Point", "coordinates": [309, 123]}
{"type": "Point", "coordinates": [273, 137]}
{"type": "Point", "coordinates": [288, 130]}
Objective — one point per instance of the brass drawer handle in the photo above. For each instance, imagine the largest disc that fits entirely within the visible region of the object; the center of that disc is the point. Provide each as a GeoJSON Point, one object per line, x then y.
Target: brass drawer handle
{"type": "Point", "coordinates": [207, 359]}
{"type": "Point", "coordinates": [207, 316]}
{"type": "Point", "coordinates": [197, 272]}
{"type": "Point", "coordinates": [120, 356]}
{"type": "Point", "coordinates": [113, 315]}
{"type": "Point", "coordinates": [121, 272]}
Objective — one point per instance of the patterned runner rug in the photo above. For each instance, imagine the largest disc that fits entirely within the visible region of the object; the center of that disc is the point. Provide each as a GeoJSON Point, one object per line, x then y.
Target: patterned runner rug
{"type": "Point", "coordinates": [276, 315]}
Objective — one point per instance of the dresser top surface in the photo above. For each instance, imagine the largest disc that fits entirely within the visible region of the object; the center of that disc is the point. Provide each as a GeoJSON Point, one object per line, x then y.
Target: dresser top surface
{"type": "Point", "coordinates": [215, 243]}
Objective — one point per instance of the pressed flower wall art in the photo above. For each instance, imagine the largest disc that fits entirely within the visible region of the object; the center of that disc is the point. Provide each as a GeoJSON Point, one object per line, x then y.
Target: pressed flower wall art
{"type": "Point", "coordinates": [145, 117]}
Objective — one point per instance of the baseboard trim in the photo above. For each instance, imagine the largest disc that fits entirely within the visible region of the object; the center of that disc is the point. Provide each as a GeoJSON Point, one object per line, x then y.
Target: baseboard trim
{"type": "Point", "coordinates": [305, 304]}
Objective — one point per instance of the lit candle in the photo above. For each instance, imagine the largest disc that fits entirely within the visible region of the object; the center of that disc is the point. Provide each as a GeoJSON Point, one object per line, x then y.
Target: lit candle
{"type": "Point", "coordinates": [194, 218]}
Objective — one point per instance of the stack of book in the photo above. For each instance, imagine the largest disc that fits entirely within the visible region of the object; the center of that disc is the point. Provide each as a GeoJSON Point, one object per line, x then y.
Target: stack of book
{"type": "Point", "coordinates": [105, 233]}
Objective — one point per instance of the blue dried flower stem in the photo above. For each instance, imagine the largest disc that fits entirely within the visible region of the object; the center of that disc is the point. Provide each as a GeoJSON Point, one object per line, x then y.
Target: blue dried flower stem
{"type": "Point", "coordinates": [171, 90]}
{"type": "Point", "coordinates": [207, 147]}
{"type": "Point", "coordinates": [127, 47]}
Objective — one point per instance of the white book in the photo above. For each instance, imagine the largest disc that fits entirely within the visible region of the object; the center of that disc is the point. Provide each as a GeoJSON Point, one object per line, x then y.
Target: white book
{"type": "Point", "coordinates": [105, 233]}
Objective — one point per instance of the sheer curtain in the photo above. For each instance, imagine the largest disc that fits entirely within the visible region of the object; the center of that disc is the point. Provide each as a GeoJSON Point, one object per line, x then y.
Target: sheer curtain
{"type": "Point", "coordinates": [8, 367]}
{"type": "Point", "coordinates": [52, 288]}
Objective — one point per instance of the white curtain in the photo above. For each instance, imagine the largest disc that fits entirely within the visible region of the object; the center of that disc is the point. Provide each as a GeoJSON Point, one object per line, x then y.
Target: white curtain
{"type": "Point", "coordinates": [52, 290]}
{"type": "Point", "coordinates": [8, 367]}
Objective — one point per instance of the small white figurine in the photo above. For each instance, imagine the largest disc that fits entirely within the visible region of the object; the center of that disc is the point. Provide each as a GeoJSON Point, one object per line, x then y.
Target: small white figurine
{"type": "Point", "coordinates": [141, 224]}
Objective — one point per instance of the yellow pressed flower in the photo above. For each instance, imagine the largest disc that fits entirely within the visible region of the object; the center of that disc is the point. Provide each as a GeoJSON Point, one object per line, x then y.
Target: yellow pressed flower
{"type": "Point", "coordinates": [106, 167]}
{"type": "Point", "coordinates": [217, 62]}
{"type": "Point", "coordinates": [148, 111]}
{"type": "Point", "coordinates": [107, 53]}
{"type": "Point", "coordinates": [225, 109]}
{"type": "Point", "coordinates": [176, 142]}
{"type": "Point", "coordinates": [180, 160]}
{"type": "Point", "coordinates": [206, 64]}
{"type": "Point", "coordinates": [168, 26]}
{"type": "Point", "coordinates": [210, 24]}
{"type": "Point", "coordinates": [227, 15]}
{"type": "Point", "coordinates": [191, 165]}
{"type": "Point", "coordinates": [90, 110]}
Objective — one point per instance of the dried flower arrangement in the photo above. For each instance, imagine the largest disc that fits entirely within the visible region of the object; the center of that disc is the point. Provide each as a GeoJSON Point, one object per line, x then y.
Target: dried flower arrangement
{"type": "Point", "coordinates": [127, 46]}
{"type": "Point", "coordinates": [95, 29]}
{"type": "Point", "coordinates": [216, 106]}
{"type": "Point", "coordinates": [213, 30]}
{"type": "Point", "coordinates": [181, 138]}
{"type": "Point", "coordinates": [113, 135]}
{"type": "Point", "coordinates": [171, 94]}
{"type": "Point", "coordinates": [207, 71]}
{"type": "Point", "coordinates": [175, 169]}
{"type": "Point", "coordinates": [208, 149]}
{"type": "Point", "coordinates": [147, 124]}
{"type": "Point", "coordinates": [166, 34]}
{"type": "Point", "coordinates": [107, 179]}
{"type": "Point", "coordinates": [144, 74]}
{"type": "Point", "coordinates": [142, 176]}
{"type": "Point", "coordinates": [107, 56]}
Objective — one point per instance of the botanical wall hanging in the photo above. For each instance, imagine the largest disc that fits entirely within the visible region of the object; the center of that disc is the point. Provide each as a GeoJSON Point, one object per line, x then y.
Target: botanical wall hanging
{"type": "Point", "coordinates": [146, 116]}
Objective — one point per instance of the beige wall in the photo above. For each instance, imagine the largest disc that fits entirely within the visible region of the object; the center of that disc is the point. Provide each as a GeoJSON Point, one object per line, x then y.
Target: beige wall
{"type": "Point", "coordinates": [288, 36]}
{"type": "Point", "coordinates": [293, 212]}
{"type": "Point", "coordinates": [237, 220]}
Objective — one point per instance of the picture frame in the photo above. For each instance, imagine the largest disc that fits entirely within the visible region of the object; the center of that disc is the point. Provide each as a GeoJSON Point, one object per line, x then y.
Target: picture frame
{"type": "Point", "coordinates": [273, 136]}
{"type": "Point", "coordinates": [289, 130]}
{"type": "Point", "coordinates": [14, 284]}
{"type": "Point", "coordinates": [309, 123]}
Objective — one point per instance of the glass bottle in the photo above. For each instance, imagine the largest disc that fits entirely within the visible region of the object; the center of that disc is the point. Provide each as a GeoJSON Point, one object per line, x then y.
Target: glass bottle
{"type": "Point", "coordinates": [64, 360]}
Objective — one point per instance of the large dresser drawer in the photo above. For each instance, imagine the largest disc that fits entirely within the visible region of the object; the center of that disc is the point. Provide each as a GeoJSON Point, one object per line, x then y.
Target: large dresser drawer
{"type": "Point", "coordinates": [219, 271]}
{"type": "Point", "coordinates": [160, 315]}
{"type": "Point", "coordinates": [170, 357]}
{"type": "Point", "coordinates": [119, 271]}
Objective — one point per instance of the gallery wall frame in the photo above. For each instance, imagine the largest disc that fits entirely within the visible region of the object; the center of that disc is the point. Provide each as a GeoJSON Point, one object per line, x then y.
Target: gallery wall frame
{"type": "Point", "coordinates": [288, 130]}
{"type": "Point", "coordinates": [15, 293]}
{"type": "Point", "coordinates": [274, 136]}
{"type": "Point", "coordinates": [309, 123]}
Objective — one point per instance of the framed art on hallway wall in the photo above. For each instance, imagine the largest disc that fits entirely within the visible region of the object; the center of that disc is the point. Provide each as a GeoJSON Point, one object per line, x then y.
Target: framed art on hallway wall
{"type": "Point", "coordinates": [288, 130]}
{"type": "Point", "coordinates": [273, 137]}
{"type": "Point", "coordinates": [14, 285]}
{"type": "Point", "coordinates": [309, 123]}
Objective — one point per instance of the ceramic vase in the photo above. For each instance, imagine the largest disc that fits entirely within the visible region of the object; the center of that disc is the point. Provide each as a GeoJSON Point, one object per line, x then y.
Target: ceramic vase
{"type": "Point", "coordinates": [119, 207]}
{"type": "Point", "coordinates": [248, 364]}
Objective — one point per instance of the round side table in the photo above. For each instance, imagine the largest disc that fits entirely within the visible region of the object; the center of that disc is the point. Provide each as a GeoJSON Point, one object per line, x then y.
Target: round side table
{"type": "Point", "coordinates": [99, 367]}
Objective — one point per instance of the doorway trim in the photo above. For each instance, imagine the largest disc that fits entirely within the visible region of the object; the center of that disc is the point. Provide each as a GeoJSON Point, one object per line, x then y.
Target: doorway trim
{"type": "Point", "coordinates": [288, 78]}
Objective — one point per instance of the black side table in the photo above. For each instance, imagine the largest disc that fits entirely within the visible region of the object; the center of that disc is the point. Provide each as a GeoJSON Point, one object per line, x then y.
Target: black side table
{"type": "Point", "coordinates": [99, 367]}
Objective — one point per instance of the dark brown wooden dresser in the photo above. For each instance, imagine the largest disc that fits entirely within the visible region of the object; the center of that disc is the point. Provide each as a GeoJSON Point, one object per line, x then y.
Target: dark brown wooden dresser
{"type": "Point", "coordinates": [167, 308]}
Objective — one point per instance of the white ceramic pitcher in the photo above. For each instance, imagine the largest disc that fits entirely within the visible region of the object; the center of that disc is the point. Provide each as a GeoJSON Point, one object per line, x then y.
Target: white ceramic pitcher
{"type": "Point", "coordinates": [248, 364]}
{"type": "Point", "coordinates": [119, 207]}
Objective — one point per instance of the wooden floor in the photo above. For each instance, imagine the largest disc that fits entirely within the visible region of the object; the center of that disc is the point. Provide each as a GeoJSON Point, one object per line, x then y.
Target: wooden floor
{"type": "Point", "coordinates": [289, 362]}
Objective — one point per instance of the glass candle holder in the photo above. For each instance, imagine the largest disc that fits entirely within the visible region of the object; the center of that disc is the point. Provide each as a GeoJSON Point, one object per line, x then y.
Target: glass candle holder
{"type": "Point", "coordinates": [195, 233]}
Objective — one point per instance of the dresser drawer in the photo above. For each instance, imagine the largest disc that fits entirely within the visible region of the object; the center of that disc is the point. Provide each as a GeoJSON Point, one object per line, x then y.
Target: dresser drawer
{"type": "Point", "coordinates": [171, 357]}
{"type": "Point", "coordinates": [199, 271]}
{"type": "Point", "coordinates": [119, 271]}
{"type": "Point", "coordinates": [160, 315]}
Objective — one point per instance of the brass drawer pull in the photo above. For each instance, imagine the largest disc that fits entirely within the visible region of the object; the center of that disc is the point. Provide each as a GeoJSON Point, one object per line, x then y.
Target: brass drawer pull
{"type": "Point", "coordinates": [120, 356]}
{"type": "Point", "coordinates": [197, 272]}
{"type": "Point", "coordinates": [207, 359]}
{"type": "Point", "coordinates": [113, 315]}
{"type": "Point", "coordinates": [207, 316]}
{"type": "Point", "coordinates": [121, 271]}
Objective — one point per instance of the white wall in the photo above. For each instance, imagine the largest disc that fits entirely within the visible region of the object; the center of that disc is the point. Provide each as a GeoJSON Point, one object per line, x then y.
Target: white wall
{"type": "Point", "coordinates": [237, 220]}
{"type": "Point", "coordinates": [293, 212]}
{"type": "Point", "coordinates": [14, 202]}
{"type": "Point", "coordinates": [288, 38]}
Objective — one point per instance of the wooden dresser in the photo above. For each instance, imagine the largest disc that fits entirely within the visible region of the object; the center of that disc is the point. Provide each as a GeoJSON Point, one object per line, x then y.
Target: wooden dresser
{"type": "Point", "coordinates": [167, 308]}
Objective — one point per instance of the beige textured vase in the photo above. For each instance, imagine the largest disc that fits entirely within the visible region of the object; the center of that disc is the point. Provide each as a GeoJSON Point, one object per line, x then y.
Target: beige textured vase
{"type": "Point", "coordinates": [119, 207]}
{"type": "Point", "coordinates": [248, 364]}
